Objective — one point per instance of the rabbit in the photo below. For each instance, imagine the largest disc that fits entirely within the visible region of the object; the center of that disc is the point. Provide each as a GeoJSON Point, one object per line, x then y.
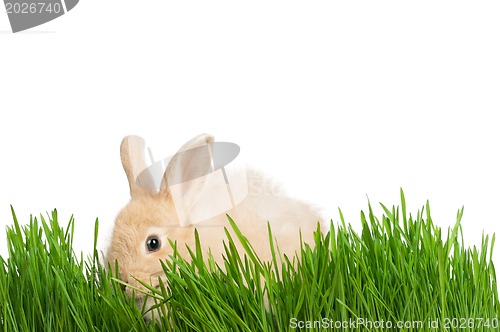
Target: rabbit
{"type": "Point", "coordinates": [142, 229]}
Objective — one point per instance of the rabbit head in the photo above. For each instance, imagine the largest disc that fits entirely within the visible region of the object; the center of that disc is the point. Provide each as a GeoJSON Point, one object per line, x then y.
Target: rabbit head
{"type": "Point", "coordinates": [144, 226]}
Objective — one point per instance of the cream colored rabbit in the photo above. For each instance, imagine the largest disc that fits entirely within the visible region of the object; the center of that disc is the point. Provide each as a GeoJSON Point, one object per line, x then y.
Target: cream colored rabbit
{"type": "Point", "coordinates": [144, 225]}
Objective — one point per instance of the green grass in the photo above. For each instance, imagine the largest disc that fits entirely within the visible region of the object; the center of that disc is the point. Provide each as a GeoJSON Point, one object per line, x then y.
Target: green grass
{"type": "Point", "coordinates": [401, 268]}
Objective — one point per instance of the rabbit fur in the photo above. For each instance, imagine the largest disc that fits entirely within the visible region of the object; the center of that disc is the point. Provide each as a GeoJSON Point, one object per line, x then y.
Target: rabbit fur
{"type": "Point", "coordinates": [150, 212]}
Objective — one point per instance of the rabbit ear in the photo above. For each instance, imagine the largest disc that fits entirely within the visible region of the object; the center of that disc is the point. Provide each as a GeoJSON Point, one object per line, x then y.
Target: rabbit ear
{"type": "Point", "coordinates": [192, 161]}
{"type": "Point", "coordinates": [134, 164]}
{"type": "Point", "coordinates": [184, 177]}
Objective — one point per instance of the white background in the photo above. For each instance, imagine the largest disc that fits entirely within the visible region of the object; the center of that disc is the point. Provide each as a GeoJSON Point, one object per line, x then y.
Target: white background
{"type": "Point", "coordinates": [340, 101]}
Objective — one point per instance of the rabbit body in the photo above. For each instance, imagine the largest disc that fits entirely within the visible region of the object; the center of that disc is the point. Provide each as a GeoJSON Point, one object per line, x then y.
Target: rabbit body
{"type": "Point", "coordinates": [152, 214]}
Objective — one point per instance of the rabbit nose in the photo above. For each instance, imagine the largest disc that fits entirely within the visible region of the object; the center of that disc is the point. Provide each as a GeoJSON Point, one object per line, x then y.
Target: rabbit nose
{"type": "Point", "coordinates": [125, 280]}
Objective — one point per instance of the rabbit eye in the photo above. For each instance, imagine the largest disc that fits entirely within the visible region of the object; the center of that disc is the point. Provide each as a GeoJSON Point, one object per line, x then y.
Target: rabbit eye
{"type": "Point", "coordinates": [153, 243]}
